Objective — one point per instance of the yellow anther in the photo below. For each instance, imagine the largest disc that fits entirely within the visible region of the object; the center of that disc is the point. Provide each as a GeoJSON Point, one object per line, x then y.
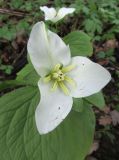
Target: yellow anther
{"type": "Point", "coordinates": [55, 75]}
{"type": "Point", "coordinates": [58, 75]}
{"type": "Point", "coordinates": [55, 85]}
{"type": "Point", "coordinates": [68, 68]}
{"type": "Point", "coordinates": [70, 81]}
{"type": "Point", "coordinates": [60, 72]}
{"type": "Point", "coordinates": [59, 78]}
{"type": "Point", "coordinates": [47, 79]}
{"type": "Point", "coordinates": [56, 68]}
{"type": "Point", "coordinates": [64, 88]}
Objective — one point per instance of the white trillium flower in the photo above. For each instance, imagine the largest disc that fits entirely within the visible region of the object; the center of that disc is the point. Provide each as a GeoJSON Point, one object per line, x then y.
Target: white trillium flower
{"type": "Point", "coordinates": [62, 77]}
{"type": "Point", "coordinates": [53, 15]}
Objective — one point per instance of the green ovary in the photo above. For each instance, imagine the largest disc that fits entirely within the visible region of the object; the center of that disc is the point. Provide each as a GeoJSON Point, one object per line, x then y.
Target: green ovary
{"type": "Point", "coordinates": [59, 78]}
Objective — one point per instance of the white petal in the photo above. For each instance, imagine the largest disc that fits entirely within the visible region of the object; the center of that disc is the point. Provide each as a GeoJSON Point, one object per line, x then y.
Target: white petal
{"type": "Point", "coordinates": [38, 49]}
{"type": "Point", "coordinates": [64, 11]}
{"type": "Point", "coordinates": [46, 49]}
{"type": "Point", "coordinates": [52, 109]}
{"type": "Point", "coordinates": [59, 49]}
{"type": "Point", "coordinates": [50, 13]}
{"type": "Point", "coordinates": [90, 77]}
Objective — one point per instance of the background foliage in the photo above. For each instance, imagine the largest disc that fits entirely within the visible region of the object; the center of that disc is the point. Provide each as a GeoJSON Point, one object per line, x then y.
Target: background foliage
{"type": "Point", "coordinates": [100, 20]}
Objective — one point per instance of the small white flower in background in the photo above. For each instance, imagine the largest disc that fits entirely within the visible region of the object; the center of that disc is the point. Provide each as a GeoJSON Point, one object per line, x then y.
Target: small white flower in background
{"type": "Point", "coordinates": [53, 15]}
{"type": "Point", "coordinates": [62, 77]}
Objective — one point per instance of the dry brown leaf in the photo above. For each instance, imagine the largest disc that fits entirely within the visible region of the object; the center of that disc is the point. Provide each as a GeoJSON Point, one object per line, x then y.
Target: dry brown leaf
{"type": "Point", "coordinates": [14, 45]}
{"type": "Point", "coordinates": [94, 147]}
{"type": "Point", "coordinates": [1, 24]}
{"type": "Point", "coordinates": [103, 62]}
{"type": "Point", "coordinates": [91, 158]}
{"type": "Point", "coordinates": [105, 120]}
{"type": "Point", "coordinates": [112, 43]}
{"type": "Point", "coordinates": [106, 109]}
{"type": "Point", "coordinates": [98, 49]}
{"type": "Point", "coordinates": [115, 117]}
{"type": "Point", "coordinates": [5, 57]}
{"type": "Point", "coordinates": [96, 111]}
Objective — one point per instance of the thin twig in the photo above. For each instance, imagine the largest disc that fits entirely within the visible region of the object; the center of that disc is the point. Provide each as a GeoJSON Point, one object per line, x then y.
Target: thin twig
{"type": "Point", "coordinates": [114, 66]}
{"type": "Point", "coordinates": [19, 55]}
{"type": "Point", "coordinates": [12, 12]}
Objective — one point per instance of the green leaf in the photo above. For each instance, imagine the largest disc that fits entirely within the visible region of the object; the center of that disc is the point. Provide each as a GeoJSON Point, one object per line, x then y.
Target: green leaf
{"type": "Point", "coordinates": [78, 104]}
{"type": "Point", "coordinates": [7, 84]}
{"type": "Point", "coordinates": [3, 67]}
{"type": "Point", "coordinates": [20, 140]}
{"type": "Point", "coordinates": [7, 32]}
{"type": "Point", "coordinates": [16, 4]}
{"type": "Point", "coordinates": [97, 100]}
{"type": "Point", "coordinates": [29, 75]}
{"type": "Point", "coordinates": [79, 43]}
{"type": "Point", "coordinates": [26, 77]}
{"type": "Point", "coordinates": [12, 84]}
{"type": "Point", "coordinates": [22, 25]}
{"type": "Point", "coordinates": [89, 25]}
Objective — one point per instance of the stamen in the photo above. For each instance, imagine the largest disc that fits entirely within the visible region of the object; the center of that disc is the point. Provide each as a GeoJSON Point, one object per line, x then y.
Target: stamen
{"type": "Point", "coordinates": [47, 79]}
{"type": "Point", "coordinates": [70, 81]}
{"type": "Point", "coordinates": [55, 75]}
{"type": "Point", "coordinates": [56, 68]}
{"type": "Point", "coordinates": [68, 68]}
{"type": "Point", "coordinates": [59, 78]}
{"type": "Point", "coordinates": [55, 85]}
{"type": "Point", "coordinates": [64, 88]}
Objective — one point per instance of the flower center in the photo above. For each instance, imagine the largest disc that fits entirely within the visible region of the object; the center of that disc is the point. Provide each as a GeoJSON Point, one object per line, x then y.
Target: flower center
{"type": "Point", "coordinates": [59, 78]}
{"type": "Point", "coordinates": [59, 75]}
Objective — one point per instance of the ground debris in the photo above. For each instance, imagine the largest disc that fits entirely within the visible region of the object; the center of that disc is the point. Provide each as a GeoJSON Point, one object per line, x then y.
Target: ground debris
{"type": "Point", "coordinates": [115, 117]}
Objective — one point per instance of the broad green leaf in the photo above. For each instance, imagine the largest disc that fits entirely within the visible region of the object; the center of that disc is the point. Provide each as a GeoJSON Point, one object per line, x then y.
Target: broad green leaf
{"type": "Point", "coordinates": [7, 32]}
{"type": "Point", "coordinates": [78, 104]}
{"type": "Point", "coordinates": [79, 43]}
{"type": "Point", "coordinates": [10, 84]}
{"type": "Point", "coordinates": [20, 140]}
{"type": "Point", "coordinates": [89, 25]}
{"type": "Point", "coordinates": [97, 100]}
{"type": "Point", "coordinates": [9, 105]}
{"type": "Point", "coordinates": [28, 74]}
